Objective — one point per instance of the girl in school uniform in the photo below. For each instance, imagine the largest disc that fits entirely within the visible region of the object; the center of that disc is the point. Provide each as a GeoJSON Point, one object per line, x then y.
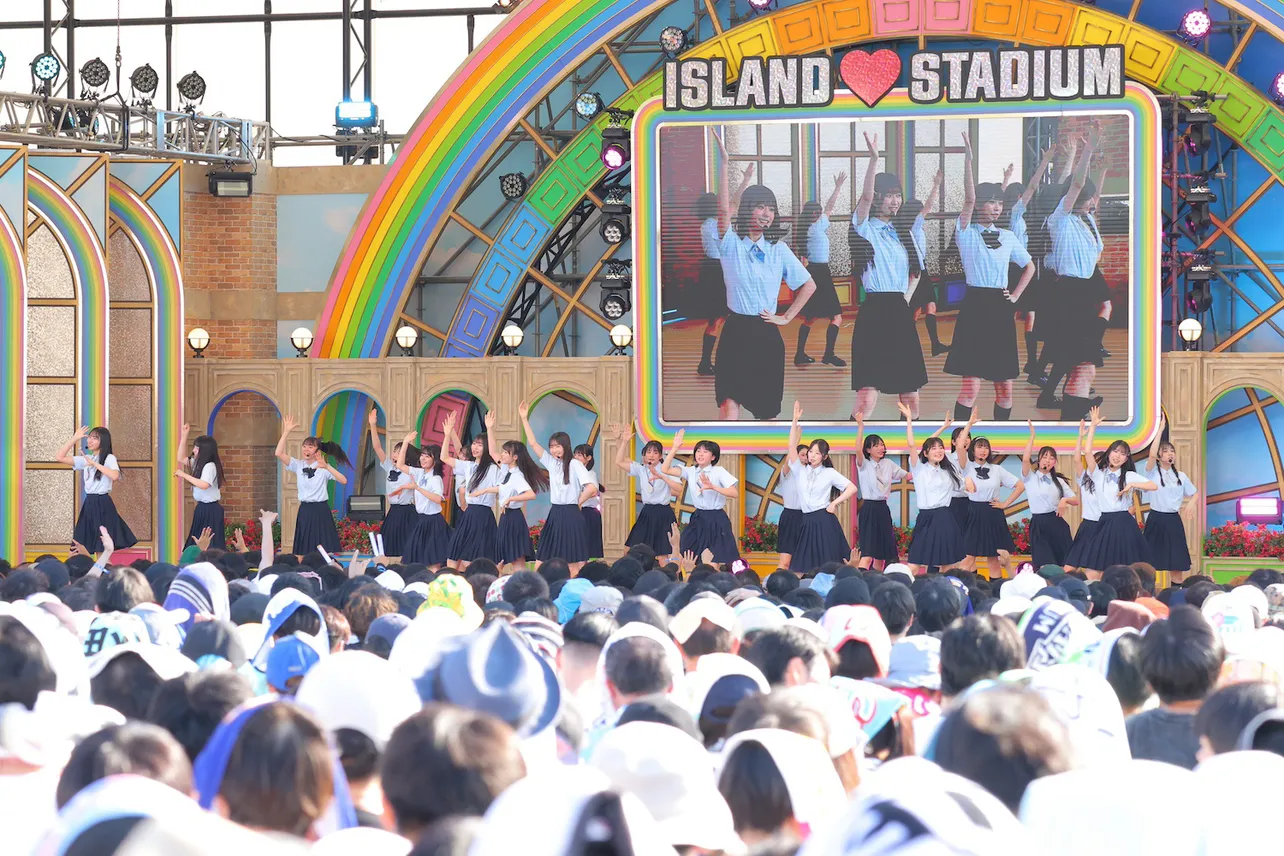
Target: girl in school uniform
{"type": "Point", "coordinates": [1165, 532]}
{"type": "Point", "coordinates": [984, 346]}
{"type": "Point", "coordinates": [960, 442]}
{"type": "Point", "coordinates": [564, 535]}
{"type": "Point", "coordinates": [314, 527]}
{"type": "Point", "coordinates": [987, 533]}
{"type": "Point", "coordinates": [656, 519]}
{"type": "Point", "coordinates": [937, 541]}
{"type": "Point", "coordinates": [428, 542]}
{"type": "Point", "coordinates": [592, 507]}
{"type": "Point", "coordinates": [820, 535]}
{"type": "Point", "coordinates": [749, 368]}
{"type": "Point", "coordinates": [1049, 495]}
{"type": "Point", "coordinates": [1016, 201]}
{"type": "Point", "coordinates": [1118, 540]}
{"type": "Point", "coordinates": [402, 515]}
{"type": "Point", "coordinates": [875, 475]}
{"type": "Point", "coordinates": [519, 480]}
{"type": "Point", "coordinates": [708, 488]}
{"type": "Point", "coordinates": [709, 302]}
{"type": "Point", "coordinates": [205, 474]}
{"type": "Point", "coordinates": [911, 224]}
{"type": "Point", "coordinates": [99, 471]}
{"type": "Point", "coordinates": [1089, 507]}
{"type": "Point", "coordinates": [812, 231]}
{"type": "Point", "coordinates": [886, 354]}
{"type": "Point", "coordinates": [475, 534]}
{"type": "Point", "coordinates": [790, 521]}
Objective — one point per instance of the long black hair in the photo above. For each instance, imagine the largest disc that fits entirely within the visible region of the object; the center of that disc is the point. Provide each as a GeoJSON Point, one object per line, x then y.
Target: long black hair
{"type": "Point", "coordinates": [755, 195]}
{"type": "Point", "coordinates": [586, 451]}
{"type": "Point", "coordinates": [104, 448]}
{"type": "Point", "coordinates": [946, 463]}
{"type": "Point", "coordinates": [412, 453]}
{"type": "Point", "coordinates": [432, 449]}
{"type": "Point", "coordinates": [1057, 477]}
{"type": "Point", "coordinates": [1011, 194]}
{"type": "Point", "coordinates": [706, 206]}
{"type": "Point", "coordinates": [481, 467]}
{"type": "Point", "coordinates": [904, 221]}
{"type": "Point", "coordinates": [810, 214]}
{"type": "Point", "coordinates": [561, 438]}
{"type": "Point", "coordinates": [535, 475]}
{"type": "Point", "coordinates": [207, 453]}
{"type": "Point", "coordinates": [332, 450]}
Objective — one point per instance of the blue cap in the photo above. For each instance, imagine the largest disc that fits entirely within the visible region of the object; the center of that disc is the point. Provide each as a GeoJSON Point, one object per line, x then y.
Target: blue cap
{"type": "Point", "coordinates": [290, 657]}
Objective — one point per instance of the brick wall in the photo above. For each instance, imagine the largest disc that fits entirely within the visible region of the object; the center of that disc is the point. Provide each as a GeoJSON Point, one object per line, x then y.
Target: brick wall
{"type": "Point", "coordinates": [247, 428]}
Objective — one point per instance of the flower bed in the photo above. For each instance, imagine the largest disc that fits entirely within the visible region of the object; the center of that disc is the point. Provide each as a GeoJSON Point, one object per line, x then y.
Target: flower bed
{"type": "Point", "coordinates": [353, 534]}
{"type": "Point", "coordinates": [759, 536]}
{"type": "Point", "coordinates": [253, 533]}
{"type": "Point", "coordinates": [1238, 540]}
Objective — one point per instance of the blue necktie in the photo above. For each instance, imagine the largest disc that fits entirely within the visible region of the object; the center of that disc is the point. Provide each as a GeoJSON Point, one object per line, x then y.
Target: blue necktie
{"type": "Point", "coordinates": [1045, 478]}
{"type": "Point", "coordinates": [756, 253]}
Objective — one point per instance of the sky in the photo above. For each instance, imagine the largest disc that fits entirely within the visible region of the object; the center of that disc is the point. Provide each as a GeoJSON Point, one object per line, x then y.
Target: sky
{"type": "Point", "coordinates": [413, 59]}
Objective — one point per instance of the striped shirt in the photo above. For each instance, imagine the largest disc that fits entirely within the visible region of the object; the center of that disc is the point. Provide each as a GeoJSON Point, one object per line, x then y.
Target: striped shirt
{"type": "Point", "coordinates": [1076, 243]}
{"type": "Point", "coordinates": [753, 271]}
{"type": "Point", "coordinates": [889, 274]}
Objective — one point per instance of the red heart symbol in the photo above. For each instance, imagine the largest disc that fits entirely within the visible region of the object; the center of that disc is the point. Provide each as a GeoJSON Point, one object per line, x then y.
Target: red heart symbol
{"type": "Point", "coordinates": [870, 76]}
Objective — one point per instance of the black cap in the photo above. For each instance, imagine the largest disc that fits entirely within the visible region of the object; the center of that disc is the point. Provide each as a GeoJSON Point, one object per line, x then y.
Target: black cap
{"type": "Point", "coordinates": [663, 711]}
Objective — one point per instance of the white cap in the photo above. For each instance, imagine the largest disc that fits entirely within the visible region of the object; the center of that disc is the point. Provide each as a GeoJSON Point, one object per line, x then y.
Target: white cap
{"type": "Point", "coordinates": [672, 774]}
{"type": "Point", "coordinates": [358, 690]}
{"type": "Point", "coordinates": [713, 667]}
{"type": "Point", "coordinates": [165, 662]}
{"type": "Point", "coordinates": [812, 627]}
{"type": "Point", "coordinates": [420, 588]}
{"type": "Point", "coordinates": [815, 791]}
{"type": "Point", "coordinates": [417, 647]}
{"type": "Point", "coordinates": [363, 840]}
{"type": "Point", "coordinates": [901, 569]}
{"type": "Point", "coordinates": [1254, 597]}
{"type": "Point", "coordinates": [1011, 605]}
{"type": "Point", "coordinates": [711, 609]}
{"type": "Point", "coordinates": [757, 613]}
{"type": "Point", "coordinates": [1026, 584]}
{"type": "Point", "coordinates": [392, 581]}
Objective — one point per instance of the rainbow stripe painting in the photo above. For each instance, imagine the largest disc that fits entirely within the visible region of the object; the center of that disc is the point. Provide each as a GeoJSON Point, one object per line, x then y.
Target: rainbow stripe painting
{"type": "Point", "coordinates": [747, 436]}
{"type": "Point", "coordinates": [13, 376]}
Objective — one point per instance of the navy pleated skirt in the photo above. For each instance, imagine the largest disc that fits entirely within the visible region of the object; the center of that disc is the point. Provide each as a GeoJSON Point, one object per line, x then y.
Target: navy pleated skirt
{"type": "Point", "coordinates": [428, 542]}
{"type": "Point", "coordinates": [877, 536]}
{"type": "Point", "coordinates": [564, 535]}
{"type": "Point", "coordinates": [1049, 539]}
{"type": "Point", "coordinates": [1117, 541]}
{"type": "Point", "coordinates": [397, 525]}
{"type": "Point", "coordinates": [1166, 535]}
{"type": "Point", "coordinates": [474, 537]}
{"type": "Point", "coordinates": [593, 531]}
{"type": "Point", "coordinates": [1087, 528]}
{"type": "Point", "coordinates": [652, 528]}
{"type": "Point", "coordinates": [937, 538]}
{"type": "Point", "coordinates": [514, 537]}
{"type": "Point", "coordinates": [987, 531]}
{"type": "Point", "coordinates": [820, 540]}
{"type": "Point", "coordinates": [960, 510]}
{"type": "Point", "coordinates": [314, 527]}
{"type": "Point", "coordinates": [787, 530]}
{"type": "Point", "coordinates": [209, 515]}
{"type": "Point", "coordinates": [711, 530]}
{"type": "Point", "coordinates": [98, 510]}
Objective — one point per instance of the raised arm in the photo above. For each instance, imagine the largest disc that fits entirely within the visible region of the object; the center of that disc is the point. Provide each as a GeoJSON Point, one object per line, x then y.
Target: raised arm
{"type": "Point", "coordinates": [795, 437]}
{"type": "Point", "coordinates": [492, 442]}
{"type": "Point", "coordinates": [860, 436]}
{"type": "Point", "coordinates": [524, 412]}
{"type": "Point", "coordinates": [266, 518]}
{"type": "Point", "coordinates": [1067, 166]}
{"type": "Point", "coordinates": [1026, 468]}
{"type": "Point", "coordinates": [1152, 457]}
{"type": "Point", "coordinates": [288, 424]}
{"type": "Point", "coordinates": [667, 466]}
{"type": "Point", "coordinates": [400, 462]}
{"type": "Point", "coordinates": [1076, 465]}
{"type": "Point", "coordinates": [946, 423]}
{"type": "Point", "coordinates": [965, 436]}
{"type": "Point", "coordinates": [623, 433]}
{"type": "Point", "coordinates": [1080, 177]}
{"type": "Point", "coordinates": [969, 185]}
{"type": "Point", "coordinates": [909, 426]}
{"type": "Point", "coordinates": [839, 181]}
{"type": "Point", "coordinates": [67, 454]}
{"type": "Point", "coordinates": [1089, 459]}
{"type": "Point", "coordinates": [929, 204]}
{"type": "Point", "coordinates": [447, 435]}
{"type": "Point", "coordinates": [373, 420]}
{"type": "Point", "coordinates": [182, 445]}
{"type": "Point", "coordinates": [866, 200]}
{"type": "Point", "coordinates": [1007, 175]}
{"type": "Point", "coordinates": [1037, 179]}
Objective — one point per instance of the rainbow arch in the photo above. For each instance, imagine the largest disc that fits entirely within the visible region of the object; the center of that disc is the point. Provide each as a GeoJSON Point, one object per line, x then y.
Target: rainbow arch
{"type": "Point", "coordinates": [13, 386]}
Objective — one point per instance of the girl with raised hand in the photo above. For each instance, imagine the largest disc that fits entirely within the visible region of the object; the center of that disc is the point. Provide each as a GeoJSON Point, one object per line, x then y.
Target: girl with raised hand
{"type": "Point", "coordinates": [591, 508]}
{"type": "Point", "coordinates": [787, 485]}
{"type": "Point", "coordinates": [570, 485]}
{"type": "Point", "coordinates": [709, 303]}
{"type": "Point", "coordinates": [911, 225]}
{"type": "Point", "coordinates": [709, 486]}
{"type": "Point", "coordinates": [1118, 540]}
{"type": "Point", "coordinates": [960, 442]}
{"type": "Point", "coordinates": [1050, 495]}
{"type": "Point", "coordinates": [402, 516]}
{"type": "Point", "coordinates": [656, 489]}
{"type": "Point", "coordinates": [820, 535]}
{"type": "Point", "coordinates": [203, 470]}
{"type": "Point", "coordinates": [429, 540]}
{"type": "Point", "coordinates": [314, 526]}
{"type": "Point", "coordinates": [475, 535]}
{"type": "Point", "coordinates": [1016, 201]}
{"type": "Point", "coordinates": [1089, 507]}
{"type": "Point", "coordinates": [1165, 532]}
{"type": "Point", "coordinates": [875, 474]}
{"type": "Point", "coordinates": [519, 480]}
{"type": "Point", "coordinates": [937, 540]}
{"type": "Point", "coordinates": [987, 533]}
{"type": "Point", "coordinates": [99, 471]}
{"type": "Point", "coordinates": [811, 231]}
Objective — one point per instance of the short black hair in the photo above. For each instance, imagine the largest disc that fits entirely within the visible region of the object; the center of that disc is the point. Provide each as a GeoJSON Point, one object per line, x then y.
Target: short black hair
{"type": "Point", "coordinates": [848, 591]}
{"type": "Point", "coordinates": [25, 669]}
{"type": "Point", "coordinates": [644, 609]}
{"type": "Point", "coordinates": [1224, 714]}
{"type": "Point", "coordinates": [481, 584]}
{"type": "Point", "coordinates": [482, 565]}
{"type": "Point", "coordinates": [589, 628]}
{"type": "Point", "coordinates": [637, 665]}
{"type": "Point", "coordinates": [21, 584]}
{"type": "Point", "coordinates": [895, 603]}
{"type": "Point", "coordinates": [780, 583]}
{"type": "Point", "coordinates": [137, 748]}
{"type": "Point", "coordinates": [805, 599]}
{"type": "Point", "coordinates": [754, 789]}
{"type": "Point", "coordinates": [358, 754]}
{"type": "Point", "coordinates": [523, 585]}
{"type": "Point", "coordinates": [625, 572]}
{"type": "Point", "coordinates": [541, 606]}
{"type": "Point", "coordinates": [708, 638]}
{"type": "Point", "coordinates": [126, 684]}
{"type": "Point", "coordinates": [774, 648]}
{"type": "Point", "coordinates": [979, 647]}
{"type": "Point", "coordinates": [293, 580]}
{"type": "Point", "coordinates": [1124, 580]}
{"type": "Point", "coordinates": [937, 605]}
{"type": "Point", "coordinates": [1124, 672]}
{"type": "Point", "coordinates": [1182, 656]}
{"type": "Point", "coordinates": [191, 707]}
{"type": "Point", "coordinates": [1199, 592]}
{"type": "Point", "coordinates": [554, 570]}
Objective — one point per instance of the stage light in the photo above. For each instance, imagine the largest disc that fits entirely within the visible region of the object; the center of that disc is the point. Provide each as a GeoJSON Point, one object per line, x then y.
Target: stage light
{"type": "Point", "coordinates": [618, 269]}
{"type": "Point", "coordinates": [1199, 192]}
{"type": "Point", "coordinates": [1199, 130]}
{"type": "Point", "coordinates": [1200, 297]}
{"type": "Point", "coordinates": [616, 301]}
{"type": "Point", "coordinates": [1195, 25]}
{"type": "Point", "coordinates": [199, 339]}
{"type": "Point", "coordinates": [144, 81]}
{"type": "Point", "coordinates": [191, 88]}
{"type": "Point", "coordinates": [512, 337]}
{"type": "Point", "coordinates": [46, 68]}
{"type": "Point", "coordinates": [1277, 88]}
{"type": "Point", "coordinates": [512, 185]}
{"type": "Point", "coordinates": [356, 114]}
{"type": "Point", "coordinates": [505, 6]}
{"type": "Point", "coordinates": [615, 226]}
{"type": "Point", "coordinates": [588, 104]}
{"type": "Point", "coordinates": [760, 5]}
{"type": "Point", "coordinates": [301, 339]}
{"type": "Point", "coordinates": [673, 40]}
{"type": "Point", "coordinates": [236, 185]}
{"type": "Point", "coordinates": [1259, 509]}
{"type": "Point", "coordinates": [95, 73]}
{"type": "Point", "coordinates": [406, 337]}
{"type": "Point", "coordinates": [1198, 220]}
{"type": "Point", "coordinates": [2, 62]}
{"type": "Point", "coordinates": [621, 338]}
{"type": "Point", "coordinates": [615, 153]}
{"type": "Point", "coordinates": [1190, 330]}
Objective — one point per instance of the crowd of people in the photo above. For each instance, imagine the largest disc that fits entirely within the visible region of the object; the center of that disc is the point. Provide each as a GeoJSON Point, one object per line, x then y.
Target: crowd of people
{"type": "Point", "coordinates": [283, 703]}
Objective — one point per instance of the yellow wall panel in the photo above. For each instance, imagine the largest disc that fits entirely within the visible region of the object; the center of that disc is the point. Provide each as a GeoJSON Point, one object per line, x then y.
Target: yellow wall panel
{"type": "Point", "coordinates": [846, 21]}
{"type": "Point", "coordinates": [710, 49]}
{"type": "Point", "coordinates": [1147, 55]}
{"type": "Point", "coordinates": [998, 19]}
{"type": "Point", "coordinates": [800, 30]}
{"type": "Point", "coordinates": [755, 39]}
{"type": "Point", "coordinates": [1094, 28]}
{"type": "Point", "coordinates": [1046, 22]}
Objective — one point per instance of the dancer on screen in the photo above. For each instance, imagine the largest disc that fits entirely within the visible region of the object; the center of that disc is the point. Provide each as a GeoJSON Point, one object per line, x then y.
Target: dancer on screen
{"type": "Point", "coordinates": [1165, 531]}
{"type": "Point", "coordinates": [875, 474]}
{"type": "Point", "coordinates": [1016, 202]}
{"type": "Point", "coordinates": [708, 302]}
{"type": "Point", "coordinates": [911, 225]}
{"type": "Point", "coordinates": [984, 346]}
{"type": "Point", "coordinates": [886, 354]}
{"type": "Point", "coordinates": [1118, 540]}
{"type": "Point", "coordinates": [1050, 496]}
{"type": "Point", "coordinates": [749, 365]}
{"type": "Point", "coordinates": [811, 230]}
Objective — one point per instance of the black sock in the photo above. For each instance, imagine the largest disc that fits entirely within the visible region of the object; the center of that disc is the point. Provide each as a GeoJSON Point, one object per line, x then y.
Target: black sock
{"type": "Point", "coordinates": [1041, 360]}
{"type": "Point", "coordinates": [831, 338]}
{"type": "Point", "coordinates": [1002, 414]}
{"type": "Point", "coordinates": [1031, 348]}
{"type": "Point", "coordinates": [1054, 378]}
{"type": "Point", "coordinates": [962, 411]}
{"type": "Point", "coordinates": [707, 353]}
{"type": "Point", "coordinates": [1074, 408]}
{"type": "Point", "coordinates": [929, 321]}
{"type": "Point", "coordinates": [803, 332]}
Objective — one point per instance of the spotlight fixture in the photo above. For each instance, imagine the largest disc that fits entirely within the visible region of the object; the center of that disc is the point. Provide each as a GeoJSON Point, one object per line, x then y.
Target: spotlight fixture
{"type": "Point", "coordinates": [301, 338]}
{"type": "Point", "coordinates": [1259, 509]}
{"type": "Point", "coordinates": [588, 104]}
{"type": "Point", "coordinates": [1195, 26]}
{"type": "Point", "coordinates": [1200, 298]}
{"type": "Point", "coordinates": [231, 184]}
{"type": "Point", "coordinates": [95, 74]}
{"type": "Point", "coordinates": [505, 6]}
{"type": "Point", "coordinates": [1198, 220]}
{"type": "Point", "coordinates": [1277, 89]}
{"type": "Point", "coordinates": [2, 62]}
{"type": "Point", "coordinates": [1190, 330]}
{"type": "Point", "coordinates": [143, 82]}
{"type": "Point", "coordinates": [1199, 129]}
{"type": "Point", "coordinates": [615, 220]}
{"type": "Point", "coordinates": [760, 5]}
{"type": "Point", "coordinates": [191, 88]}
{"type": "Point", "coordinates": [199, 339]}
{"type": "Point", "coordinates": [512, 337]}
{"type": "Point", "coordinates": [45, 69]}
{"type": "Point", "coordinates": [621, 338]}
{"type": "Point", "coordinates": [616, 301]}
{"type": "Point", "coordinates": [1199, 190]}
{"type": "Point", "coordinates": [618, 269]}
{"type": "Point", "coordinates": [407, 337]}
{"type": "Point", "coordinates": [673, 40]}
{"type": "Point", "coordinates": [615, 139]}
{"type": "Point", "coordinates": [356, 114]}
{"type": "Point", "coordinates": [512, 185]}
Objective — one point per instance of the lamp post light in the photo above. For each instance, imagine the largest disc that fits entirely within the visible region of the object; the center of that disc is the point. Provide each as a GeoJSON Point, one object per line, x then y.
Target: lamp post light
{"type": "Point", "coordinates": [621, 338]}
{"type": "Point", "coordinates": [1190, 330]}
{"type": "Point", "coordinates": [199, 339]}
{"type": "Point", "coordinates": [301, 338]}
{"type": "Point", "coordinates": [512, 337]}
{"type": "Point", "coordinates": [407, 338]}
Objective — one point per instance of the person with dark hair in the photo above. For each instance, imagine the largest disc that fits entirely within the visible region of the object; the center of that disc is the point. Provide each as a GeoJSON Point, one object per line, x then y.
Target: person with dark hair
{"type": "Point", "coordinates": [427, 540]}
{"type": "Point", "coordinates": [643, 609]}
{"type": "Point", "coordinates": [447, 761]}
{"type": "Point", "coordinates": [125, 682]}
{"type": "Point", "coordinates": [758, 787]}
{"type": "Point", "coordinates": [203, 470]}
{"type": "Point", "coordinates": [1124, 580]}
{"type": "Point", "coordinates": [1181, 657]}
{"type": "Point", "coordinates": [976, 648]}
{"type": "Point", "coordinates": [520, 478]}
{"type": "Point", "coordinates": [23, 583]}
{"type": "Point", "coordinates": [886, 354]}
{"type": "Point", "coordinates": [1123, 670]}
{"type": "Point", "coordinates": [1165, 533]}
{"type": "Point", "coordinates": [789, 656]}
{"type": "Point", "coordinates": [636, 667]}
{"type": "Point", "coordinates": [1016, 201]}
{"type": "Point", "coordinates": [936, 606]}
{"type": "Point", "coordinates": [556, 569]}
{"type": "Point", "coordinates": [707, 301]}
{"type": "Point", "coordinates": [937, 540]}
{"type": "Point", "coordinates": [1003, 739]}
{"type": "Point", "coordinates": [583, 638]}
{"type": "Point", "coordinates": [25, 670]}
{"type": "Point", "coordinates": [749, 364]}
{"type": "Point", "coordinates": [709, 486]}
{"type": "Point", "coordinates": [541, 606]}
{"type": "Point", "coordinates": [476, 534]}
{"type": "Point", "coordinates": [99, 470]}
{"type": "Point", "coordinates": [1050, 495]}
{"type": "Point", "coordinates": [135, 748]}
{"type": "Point", "coordinates": [811, 231]}
{"type": "Point", "coordinates": [805, 599]}
{"type": "Point", "coordinates": [591, 508]}
{"type": "Point", "coordinates": [400, 518]}
{"type": "Point", "coordinates": [897, 605]}
{"type": "Point", "coordinates": [780, 583]}
{"type": "Point", "coordinates": [875, 473]}
{"type": "Point", "coordinates": [809, 714]}
{"type": "Point", "coordinates": [1117, 540]}
{"type": "Point", "coordinates": [314, 526]}
{"type": "Point", "coordinates": [911, 224]}
{"type": "Point", "coordinates": [656, 490]}
{"type": "Point", "coordinates": [524, 584]}
{"type": "Point", "coordinates": [190, 707]}
{"type": "Point", "coordinates": [1226, 712]}
{"type": "Point", "coordinates": [821, 490]}
{"type": "Point", "coordinates": [565, 534]}
{"type": "Point", "coordinates": [121, 590]}
{"type": "Point", "coordinates": [986, 533]}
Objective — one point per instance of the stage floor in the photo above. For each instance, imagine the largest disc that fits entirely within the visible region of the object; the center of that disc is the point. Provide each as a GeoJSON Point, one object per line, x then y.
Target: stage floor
{"type": "Point", "coordinates": [825, 391]}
